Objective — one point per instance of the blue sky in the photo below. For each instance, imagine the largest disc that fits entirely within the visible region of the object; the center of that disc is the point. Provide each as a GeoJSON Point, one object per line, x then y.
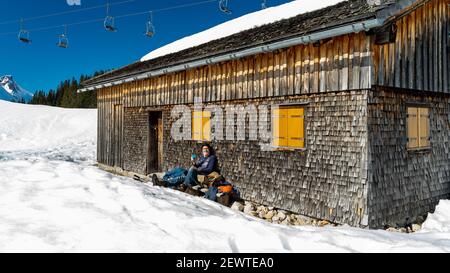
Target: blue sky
{"type": "Point", "coordinates": [42, 65]}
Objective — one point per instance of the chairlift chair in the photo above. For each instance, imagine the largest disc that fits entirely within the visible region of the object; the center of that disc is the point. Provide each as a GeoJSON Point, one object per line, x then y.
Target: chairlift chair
{"type": "Point", "coordinates": [24, 35]}
{"type": "Point", "coordinates": [223, 6]}
{"type": "Point", "coordinates": [109, 23]}
{"type": "Point", "coordinates": [63, 40]}
{"type": "Point", "coordinates": [150, 30]}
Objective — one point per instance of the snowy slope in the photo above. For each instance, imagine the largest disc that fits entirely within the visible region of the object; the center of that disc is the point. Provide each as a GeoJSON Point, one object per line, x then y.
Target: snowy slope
{"type": "Point", "coordinates": [11, 91]}
{"type": "Point", "coordinates": [242, 23]}
{"type": "Point", "coordinates": [39, 127]}
{"type": "Point", "coordinates": [52, 199]}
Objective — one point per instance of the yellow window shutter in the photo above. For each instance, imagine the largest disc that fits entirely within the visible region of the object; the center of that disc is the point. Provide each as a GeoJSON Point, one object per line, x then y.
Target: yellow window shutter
{"type": "Point", "coordinates": [296, 137]}
{"type": "Point", "coordinates": [279, 127]}
{"type": "Point", "coordinates": [197, 125]}
{"type": "Point", "coordinates": [206, 125]}
{"type": "Point", "coordinates": [413, 130]}
{"type": "Point", "coordinates": [424, 127]}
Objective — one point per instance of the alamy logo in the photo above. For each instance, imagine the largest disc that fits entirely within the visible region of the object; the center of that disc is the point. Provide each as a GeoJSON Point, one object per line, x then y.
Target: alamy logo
{"type": "Point", "coordinates": [231, 122]}
{"type": "Point", "coordinates": [74, 2]}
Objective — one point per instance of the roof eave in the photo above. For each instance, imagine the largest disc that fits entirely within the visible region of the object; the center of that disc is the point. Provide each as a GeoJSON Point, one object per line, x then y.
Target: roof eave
{"type": "Point", "coordinates": [305, 39]}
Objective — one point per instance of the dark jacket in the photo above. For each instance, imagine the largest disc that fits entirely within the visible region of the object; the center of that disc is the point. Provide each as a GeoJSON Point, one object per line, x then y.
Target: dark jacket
{"type": "Point", "coordinates": [207, 165]}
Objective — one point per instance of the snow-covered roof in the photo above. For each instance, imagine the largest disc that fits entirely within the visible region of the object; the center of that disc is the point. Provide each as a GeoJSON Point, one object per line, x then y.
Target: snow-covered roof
{"type": "Point", "coordinates": [246, 22]}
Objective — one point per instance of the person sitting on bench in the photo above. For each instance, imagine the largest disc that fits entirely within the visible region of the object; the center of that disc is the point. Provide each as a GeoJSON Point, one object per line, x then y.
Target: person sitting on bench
{"type": "Point", "coordinates": [203, 170]}
{"type": "Point", "coordinates": [206, 166]}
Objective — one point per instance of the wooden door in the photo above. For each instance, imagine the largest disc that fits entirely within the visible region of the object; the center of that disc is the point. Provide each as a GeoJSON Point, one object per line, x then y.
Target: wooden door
{"type": "Point", "coordinates": [155, 142]}
{"type": "Point", "coordinates": [117, 135]}
{"type": "Point", "coordinates": [160, 142]}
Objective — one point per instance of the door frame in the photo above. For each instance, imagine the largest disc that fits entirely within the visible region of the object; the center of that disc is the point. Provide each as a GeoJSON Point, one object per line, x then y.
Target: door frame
{"type": "Point", "coordinates": [153, 143]}
{"type": "Point", "coordinates": [117, 138]}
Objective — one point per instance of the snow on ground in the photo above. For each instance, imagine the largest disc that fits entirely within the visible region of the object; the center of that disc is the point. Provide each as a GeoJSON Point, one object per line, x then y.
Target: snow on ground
{"type": "Point", "coordinates": [248, 21]}
{"type": "Point", "coordinates": [25, 127]}
{"type": "Point", "coordinates": [52, 199]}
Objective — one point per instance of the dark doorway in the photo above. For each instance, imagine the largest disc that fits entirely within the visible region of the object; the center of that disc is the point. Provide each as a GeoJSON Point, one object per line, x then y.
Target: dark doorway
{"type": "Point", "coordinates": [117, 136]}
{"type": "Point", "coordinates": [155, 143]}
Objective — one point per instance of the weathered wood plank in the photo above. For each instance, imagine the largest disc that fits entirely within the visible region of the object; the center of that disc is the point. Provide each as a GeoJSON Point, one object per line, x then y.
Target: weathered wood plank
{"type": "Point", "coordinates": [411, 50]}
{"type": "Point", "coordinates": [347, 63]}
{"type": "Point", "coordinates": [276, 74]}
{"type": "Point", "coordinates": [234, 90]}
{"type": "Point", "coordinates": [446, 46]}
{"type": "Point", "coordinates": [298, 70]}
{"type": "Point", "coordinates": [283, 73]}
{"type": "Point", "coordinates": [264, 76]}
{"type": "Point", "coordinates": [356, 65]}
{"type": "Point", "coordinates": [323, 68]}
{"type": "Point", "coordinates": [270, 75]}
{"type": "Point", "coordinates": [257, 81]}
{"type": "Point", "coordinates": [431, 51]}
{"type": "Point", "coordinates": [291, 71]}
{"type": "Point", "coordinates": [248, 77]}
{"type": "Point", "coordinates": [366, 72]}
{"type": "Point", "coordinates": [314, 69]}
{"type": "Point", "coordinates": [336, 47]}
{"type": "Point", "coordinates": [239, 79]}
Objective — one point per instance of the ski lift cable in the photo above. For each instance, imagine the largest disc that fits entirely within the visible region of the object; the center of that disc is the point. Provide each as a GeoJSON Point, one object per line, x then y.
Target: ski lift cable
{"type": "Point", "coordinates": [165, 9]}
{"type": "Point", "coordinates": [64, 12]}
{"type": "Point", "coordinates": [185, 5]}
{"type": "Point", "coordinates": [57, 26]}
{"type": "Point", "coordinates": [102, 6]}
{"type": "Point", "coordinates": [102, 19]}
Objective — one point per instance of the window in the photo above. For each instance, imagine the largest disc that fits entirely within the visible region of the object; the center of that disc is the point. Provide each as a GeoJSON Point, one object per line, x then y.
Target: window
{"type": "Point", "coordinates": [288, 127]}
{"type": "Point", "coordinates": [418, 127]}
{"type": "Point", "coordinates": [201, 125]}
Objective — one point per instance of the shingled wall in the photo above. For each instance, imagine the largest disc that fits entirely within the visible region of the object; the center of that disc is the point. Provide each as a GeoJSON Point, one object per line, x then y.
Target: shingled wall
{"type": "Point", "coordinates": [403, 183]}
{"type": "Point", "coordinates": [327, 180]}
{"type": "Point", "coordinates": [135, 143]}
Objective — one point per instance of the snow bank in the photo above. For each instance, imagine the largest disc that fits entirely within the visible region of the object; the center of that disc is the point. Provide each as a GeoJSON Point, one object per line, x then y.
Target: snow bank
{"type": "Point", "coordinates": [242, 23]}
{"type": "Point", "coordinates": [29, 126]}
{"type": "Point", "coordinates": [439, 221]}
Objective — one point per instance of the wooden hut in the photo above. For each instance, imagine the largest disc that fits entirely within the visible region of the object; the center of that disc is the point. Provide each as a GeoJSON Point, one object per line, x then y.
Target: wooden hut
{"type": "Point", "coordinates": [359, 110]}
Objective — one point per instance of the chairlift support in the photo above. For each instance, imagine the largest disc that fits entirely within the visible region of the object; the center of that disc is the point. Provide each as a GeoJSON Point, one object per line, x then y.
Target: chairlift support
{"type": "Point", "coordinates": [150, 28]}
{"type": "Point", "coordinates": [24, 35]}
{"type": "Point", "coordinates": [63, 41]}
{"type": "Point", "coordinates": [109, 23]}
{"type": "Point", "coordinates": [223, 6]}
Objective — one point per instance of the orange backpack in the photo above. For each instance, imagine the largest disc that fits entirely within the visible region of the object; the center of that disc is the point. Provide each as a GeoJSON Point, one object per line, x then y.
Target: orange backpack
{"type": "Point", "coordinates": [225, 189]}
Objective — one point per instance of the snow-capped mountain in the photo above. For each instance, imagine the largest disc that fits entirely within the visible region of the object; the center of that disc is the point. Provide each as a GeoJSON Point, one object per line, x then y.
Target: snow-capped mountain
{"type": "Point", "coordinates": [11, 91]}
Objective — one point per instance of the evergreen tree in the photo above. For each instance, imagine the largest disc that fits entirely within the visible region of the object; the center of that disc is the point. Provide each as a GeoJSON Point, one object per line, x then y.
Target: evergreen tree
{"type": "Point", "coordinates": [66, 94]}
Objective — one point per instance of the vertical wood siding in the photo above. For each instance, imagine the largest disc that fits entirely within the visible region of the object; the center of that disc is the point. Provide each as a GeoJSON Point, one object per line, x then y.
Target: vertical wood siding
{"type": "Point", "coordinates": [110, 126]}
{"type": "Point", "coordinates": [297, 70]}
{"type": "Point", "coordinates": [420, 57]}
